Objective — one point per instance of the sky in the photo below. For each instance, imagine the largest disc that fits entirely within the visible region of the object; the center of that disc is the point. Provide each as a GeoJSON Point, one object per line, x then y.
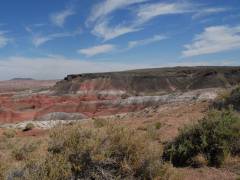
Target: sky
{"type": "Point", "coordinates": [49, 39]}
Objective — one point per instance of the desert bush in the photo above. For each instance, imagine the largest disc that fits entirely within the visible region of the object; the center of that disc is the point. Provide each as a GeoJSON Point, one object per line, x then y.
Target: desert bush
{"type": "Point", "coordinates": [158, 125]}
{"type": "Point", "coordinates": [111, 152]}
{"type": "Point", "coordinates": [152, 132]}
{"type": "Point", "coordinates": [98, 123]}
{"type": "Point", "coordinates": [215, 136]}
{"type": "Point", "coordinates": [21, 153]}
{"type": "Point", "coordinates": [2, 171]}
{"type": "Point", "coordinates": [28, 127]}
{"type": "Point", "coordinates": [228, 99]}
{"type": "Point", "coordinates": [9, 133]}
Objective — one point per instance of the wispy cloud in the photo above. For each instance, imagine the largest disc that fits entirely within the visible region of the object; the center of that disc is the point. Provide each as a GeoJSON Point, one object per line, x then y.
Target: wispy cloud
{"type": "Point", "coordinates": [106, 32]}
{"type": "Point", "coordinates": [106, 7]}
{"type": "Point", "coordinates": [59, 18]}
{"type": "Point", "coordinates": [4, 39]}
{"type": "Point", "coordinates": [100, 17]}
{"type": "Point", "coordinates": [147, 41]}
{"type": "Point", "coordinates": [208, 11]}
{"type": "Point", "coordinates": [39, 40]}
{"type": "Point", "coordinates": [95, 50]}
{"type": "Point", "coordinates": [30, 28]}
{"type": "Point", "coordinates": [214, 39]}
{"type": "Point", "coordinates": [143, 13]}
{"type": "Point", "coordinates": [150, 11]}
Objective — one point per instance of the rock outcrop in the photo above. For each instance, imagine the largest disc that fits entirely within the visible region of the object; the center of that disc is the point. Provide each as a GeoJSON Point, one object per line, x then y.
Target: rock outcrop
{"type": "Point", "coordinates": [150, 81]}
{"type": "Point", "coordinates": [90, 95]}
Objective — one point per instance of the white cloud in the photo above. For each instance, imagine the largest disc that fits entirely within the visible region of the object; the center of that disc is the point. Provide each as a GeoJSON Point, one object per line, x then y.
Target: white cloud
{"type": "Point", "coordinates": [39, 40]}
{"type": "Point", "coordinates": [59, 18]}
{"type": "Point", "coordinates": [141, 14]}
{"type": "Point", "coordinates": [100, 14]}
{"type": "Point", "coordinates": [149, 11]}
{"type": "Point", "coordinates": [214, 39]}
{"type": "Point", "coordinates": [106, 32]}
{"type": "Point", "coordinates": [4, 40]}
{"type": "Point", "coordinates": [208, 11]}
{"type": "Point", "coordinates": [95, 50]}
{"type": "Point", "coordinates": [108, 6]}
{"type": "Point", "coordinates": [56, 67]}
{"type": "Point", "coordinates": [142, 42]}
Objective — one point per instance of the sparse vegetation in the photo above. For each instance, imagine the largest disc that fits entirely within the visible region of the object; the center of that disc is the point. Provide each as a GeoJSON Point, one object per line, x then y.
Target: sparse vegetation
{"type": "Point", "coordinates": [228, 99]}
{"type": "Point", "coordinates": [21, 153]}
{"type": "Point", "coordinates": [107, 149]}
{"type": "Point", "coordinates": [9, 133]}
{"type": "Point", "coordinates": [28, 127]}
{"type": "Point", "coordinates": [158, 125]}
{"type": "Point", "coordinates": [98, 123]}
{"type": "Point", "coordinates": [152, 132]}
{"type": "Point", "coordinates": [215, 136]}
{"type": "Point", "coordinates": [2, 170]}
{"type": "Point", "coordinates": [112, 152]}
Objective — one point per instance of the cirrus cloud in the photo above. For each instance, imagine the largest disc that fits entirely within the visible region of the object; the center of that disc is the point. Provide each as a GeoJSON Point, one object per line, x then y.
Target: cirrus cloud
{"type": "Point", "coordinates": [95, 50]}
{"type": "Point", "coordinates": [59, 18]}
{"type": "Point", "coordinates": [4, 40]}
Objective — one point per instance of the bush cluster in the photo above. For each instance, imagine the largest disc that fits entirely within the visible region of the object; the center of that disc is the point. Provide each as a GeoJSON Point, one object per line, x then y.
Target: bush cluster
{"type": "Point", "coordinates": [22, 152]}
{"type": "Point", "coordinates": [111, 152]}
{"type": "Point", "coordinates": [9, 133]}
{"type": "Point", "coordinates": [28, 127]}
{"type": "Point", "coordinates": [217, 135]}
{"type": "Point", "coordinates": [228, 99]}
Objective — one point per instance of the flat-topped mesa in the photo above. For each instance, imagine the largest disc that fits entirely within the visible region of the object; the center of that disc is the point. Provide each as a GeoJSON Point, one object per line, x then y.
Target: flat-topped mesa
{"type": "Point", "coordinates": [151, 81]}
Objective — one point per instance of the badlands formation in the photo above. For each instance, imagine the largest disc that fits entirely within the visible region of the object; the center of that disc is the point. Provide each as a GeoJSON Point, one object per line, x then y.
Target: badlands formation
{"type": "Point", "coordinates": [84, 96]}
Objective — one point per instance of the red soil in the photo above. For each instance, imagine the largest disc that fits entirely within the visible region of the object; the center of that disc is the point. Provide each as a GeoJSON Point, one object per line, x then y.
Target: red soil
{"type": "Point", "coordinates": [17, 109]}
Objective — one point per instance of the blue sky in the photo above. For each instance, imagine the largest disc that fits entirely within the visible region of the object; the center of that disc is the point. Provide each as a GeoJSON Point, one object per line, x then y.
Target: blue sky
{"type": "Point", "coordinates": [50, 39]}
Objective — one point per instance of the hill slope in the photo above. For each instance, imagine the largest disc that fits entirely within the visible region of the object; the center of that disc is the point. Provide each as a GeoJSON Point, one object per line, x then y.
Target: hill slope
{"type": "Point", "coordinates": [151, 81]}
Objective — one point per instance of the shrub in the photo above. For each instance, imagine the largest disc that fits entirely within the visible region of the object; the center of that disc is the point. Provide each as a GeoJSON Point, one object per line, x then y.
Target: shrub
{"type": "Point", "coordinates": [158, 125]}
{"type": "Point", "coordinates": [152, 132]}
{"type": "Point", "coordinates": [21, 153]}
{"type": "Point", "coordinates": [215, 136]}
{"type": "Point", "coordinates": [98, 123]}
{"type": "Point", "coordinates": [3, 169]}
{"type": "Point", "coordinates": [9, 133]}
{"type": "Point", "coordinates": [111, 152]}
{"type": "Point", "coordinates": [28, 127]}
{"type": "Point", "coordinates": [228, 99]}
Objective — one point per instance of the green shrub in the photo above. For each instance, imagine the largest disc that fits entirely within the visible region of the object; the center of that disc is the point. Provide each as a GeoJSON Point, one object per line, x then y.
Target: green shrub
{"type": "Point", "coordinates": [158, 125]}
{"type": "Point", "coordinates": [9, 133]}
{"type": "Point", "coordinates": [215, 136]}
{"type": "Point", "coordinates": [28, 127]}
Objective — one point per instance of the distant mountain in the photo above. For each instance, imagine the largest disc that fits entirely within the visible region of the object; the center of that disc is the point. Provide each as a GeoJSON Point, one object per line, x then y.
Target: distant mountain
{"type": "Point", "coordinates": [21, 79]}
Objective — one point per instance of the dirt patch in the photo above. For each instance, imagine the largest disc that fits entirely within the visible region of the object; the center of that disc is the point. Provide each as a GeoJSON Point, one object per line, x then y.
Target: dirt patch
{"type": "Point", "coordinates": [33, 132]}
{"type": "Point", "coordinates": [206, 173]}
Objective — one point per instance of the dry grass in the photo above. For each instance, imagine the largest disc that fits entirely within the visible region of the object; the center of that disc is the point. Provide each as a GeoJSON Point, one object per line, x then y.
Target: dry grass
{"type": "Point", "coordinates": [105, 142]}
